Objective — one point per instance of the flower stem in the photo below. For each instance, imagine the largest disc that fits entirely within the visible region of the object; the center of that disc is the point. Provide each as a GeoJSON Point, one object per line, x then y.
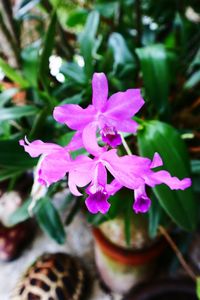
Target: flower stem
{"type": "Point", "coordinates": [178, 253]}
{"type": "Point", "coordinates": [126, 147]}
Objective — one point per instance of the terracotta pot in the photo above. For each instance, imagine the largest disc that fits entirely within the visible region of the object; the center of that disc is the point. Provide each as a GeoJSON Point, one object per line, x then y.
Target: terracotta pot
{"type": "Point", "coordinates": [165, 289]}
{"type": "Point", "coordinates": [121, 268]}
{"type": "Point", "coordinates": [14, 239]}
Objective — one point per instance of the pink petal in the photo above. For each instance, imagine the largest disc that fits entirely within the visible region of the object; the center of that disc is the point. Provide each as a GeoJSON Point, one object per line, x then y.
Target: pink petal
{"type": "Point", "coordinates": [124, 105]}
{"type": "Point", "coordinates": [120, 170]}
{"type": "Point", "coordinates": [126, 126]}
{"type": "Point", "coordinates": [72, 186]}
{"type": "Point", "coordinates": [74, 116]}
{"type": "Point", "coordinates": [76, 142]}
{"type": "Point", "coordinates": [97, 203]}
{"type": "Point", "coordinates": [80, 173]}
{"type": "Point", "coordinates": [90, 139]}
{"type": "Point", "coordinates": [99, 90]}
{"type": "Point", "coordinates": [164, 177]}
{"type": "Point", "coordinates": [38, 147]}
{"type": "Point", "coordinates": [157, 161]}
{"type": "Point", "coordinates": [54, 167]}
{"type": "Point", "coordinates": [113, 187]}
{"type": "Point", "coordinates": [101, 174]}
{"type": "Point", "coordinates": [142, 202]}
{"type": "Point", "coordinates": [91, 205]}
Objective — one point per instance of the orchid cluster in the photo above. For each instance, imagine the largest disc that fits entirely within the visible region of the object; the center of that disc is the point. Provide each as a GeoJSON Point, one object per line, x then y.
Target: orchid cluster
{"type": "Point", "coordinates": [99, 129]}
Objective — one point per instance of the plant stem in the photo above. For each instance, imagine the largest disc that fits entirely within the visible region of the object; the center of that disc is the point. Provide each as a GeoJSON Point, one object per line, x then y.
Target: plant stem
{"type": "Point", "coordinates": [126, 146]}
{"type": "Point", "coordinates": [178, 253]}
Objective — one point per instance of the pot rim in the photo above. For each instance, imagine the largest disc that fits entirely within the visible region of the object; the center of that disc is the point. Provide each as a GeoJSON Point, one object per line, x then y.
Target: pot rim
{"type": "Point", "coordinates": [128, 256]}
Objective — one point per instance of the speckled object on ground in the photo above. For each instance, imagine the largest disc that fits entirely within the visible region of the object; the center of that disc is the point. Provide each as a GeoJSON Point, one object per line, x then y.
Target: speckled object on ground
{"type": "Point", "coordinates": [78, 243]}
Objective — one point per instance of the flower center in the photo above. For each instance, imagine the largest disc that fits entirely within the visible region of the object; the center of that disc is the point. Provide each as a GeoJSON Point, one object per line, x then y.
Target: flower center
{"type": "Point", "coordinates": [110, 136]}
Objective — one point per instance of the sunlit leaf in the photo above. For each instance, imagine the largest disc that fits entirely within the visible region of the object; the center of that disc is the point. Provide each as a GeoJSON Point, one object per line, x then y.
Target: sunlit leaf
{"type": "Point", "coordinates": [77, 17]}
{"type": "Point", "coordinates": [198, 287]}
{"type": "Point", "coordinates": [74, 72]}
{"type": "Point", "coordinates": [193, 80]}
{"type": "Point", "coordinates": [13, 74]}
{"type": "Point", "coordinates": [121, 53]}
{"type": "Point", "coordinates": [155, 73]}
{"type": "Point", "coordinates": [21, 214]}
{"type": "Point", "coordinates": [87, 41]}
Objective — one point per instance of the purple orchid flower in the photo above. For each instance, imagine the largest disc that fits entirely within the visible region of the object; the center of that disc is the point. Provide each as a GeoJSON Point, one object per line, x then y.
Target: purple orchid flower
{"type": "Point", "coordinates": [92, 173]}
{"type": "Point", "coordinates": [133, 172]}
{"type": "Point", "coordinates": [143, 167]}
{"type": "Point", "coordinates": [107, 116]}
{"type": "Point", "coordinates": [56, 162]}
{"type": "Point", "coordinates": [129, 171]}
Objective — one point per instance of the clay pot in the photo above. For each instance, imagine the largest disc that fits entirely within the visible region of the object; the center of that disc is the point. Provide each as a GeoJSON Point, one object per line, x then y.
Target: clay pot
{"type": "Point", "coordinates": [14, 239]}
{"type": "Point", "coordinates": [165, 289]}
{"type": "Point", "coordinates": [121, 268]}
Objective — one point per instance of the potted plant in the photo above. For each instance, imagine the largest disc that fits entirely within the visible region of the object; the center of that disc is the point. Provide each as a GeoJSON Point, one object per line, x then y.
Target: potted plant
{"type": "Point", "coordinates": [103, 172]}
{"type": "Point", "coordinates": [146, 58]}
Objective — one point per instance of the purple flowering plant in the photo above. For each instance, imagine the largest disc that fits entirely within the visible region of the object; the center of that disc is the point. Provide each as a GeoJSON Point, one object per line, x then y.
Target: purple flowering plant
{"type": "Point", "coordinates": [101, 129]}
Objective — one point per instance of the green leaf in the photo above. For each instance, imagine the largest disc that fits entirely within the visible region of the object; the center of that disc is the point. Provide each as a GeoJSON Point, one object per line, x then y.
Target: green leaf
{"type": "Point", "coordinates": [157, 216]}
{"type": "Point", "coordinates": [74, 72]}
{"type": "Point", "coordinates": [108, 9]}
{"type": "Point", "coordinates": [75, 99]}
{"type": "Point", "coordinates": [12, 155]}
{"type": "Point", "coordinates": [30, 63]}
{"type": "Point", "coordinates": [195, 166]}
{"type": "Point", "coordinates": [46, 215]}
{"type": "Point", "coordinates": [121, 53]}
{"type": "Point", "coordinates": [164, 139]}
{"type": "Point", "coordinates": [73, 211]}
{"type": "Point", "coordinates": [49, 220]}
{"type": "Point", "coordinates": [47, 48]}
{"type": "Point", "coordinates": [21, 214]}
{"type": "Point", "coordinates": [9, 173]}
{"type": "Point", "coordinates": [193, 80]}
{"type": "Point", "coordinates": [198, 287]}
{"type": "Point", "coordinates": [13, 75]}
{"type": "Point", "coordinates": [96, 219]}
{"type": "Point", "coordinates": [88, 41]}
{"type": "Point", "coordinates": [64, 139]}
{"type": "Point", "coordinates": [17, 112]}
{"type": "Point", "coordinates": [155, 72]}
{"type": "Point", "coordinates": [77, 17]}
{"type": "Point", "coordinates": [6, 95]}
